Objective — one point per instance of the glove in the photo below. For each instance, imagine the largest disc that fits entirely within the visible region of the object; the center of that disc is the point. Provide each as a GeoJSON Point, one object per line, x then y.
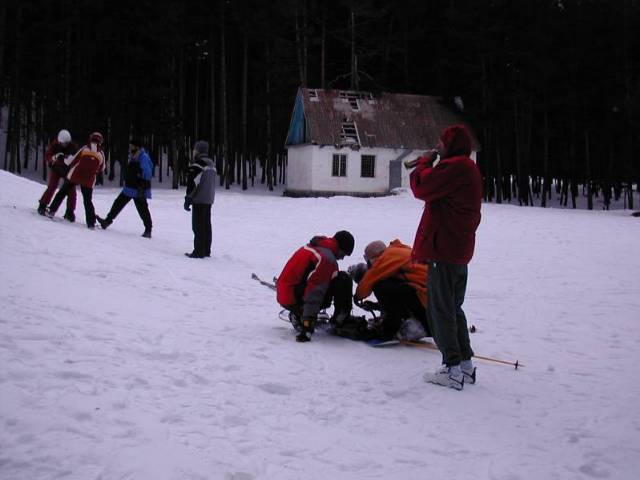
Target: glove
{"type": "Point", "coordinates": [368, 305]}
{"type": "Point", "coordinates": [141, 191]}
{"type": "Point", "coordinates": [357, 271]}
{"type": "Point", "coordinates": [187, 204]}
{"type": "Point", "coordinates": [431, 156]}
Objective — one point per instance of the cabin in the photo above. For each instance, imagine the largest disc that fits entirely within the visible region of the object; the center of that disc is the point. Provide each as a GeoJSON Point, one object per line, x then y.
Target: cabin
{"type": "Point", "coordinates": [344, 142]}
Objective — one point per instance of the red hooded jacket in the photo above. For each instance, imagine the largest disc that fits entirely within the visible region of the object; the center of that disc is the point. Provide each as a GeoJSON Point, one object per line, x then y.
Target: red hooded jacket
{"type": "Point", "coordinates": [308, 273]}
{"type": "Point", "coordinates": [452, 192]}
{"type": "Point", "coordinates": [85, 166]}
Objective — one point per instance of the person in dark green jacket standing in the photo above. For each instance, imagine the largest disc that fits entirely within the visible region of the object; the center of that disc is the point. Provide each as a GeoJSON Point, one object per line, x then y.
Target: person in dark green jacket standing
{"type": "Point", "coordinates": [201, 191]}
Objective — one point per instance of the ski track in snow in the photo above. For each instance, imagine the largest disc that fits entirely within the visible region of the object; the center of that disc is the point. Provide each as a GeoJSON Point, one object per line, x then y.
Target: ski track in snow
{"type": "Point", "coordinates": [122, 359]}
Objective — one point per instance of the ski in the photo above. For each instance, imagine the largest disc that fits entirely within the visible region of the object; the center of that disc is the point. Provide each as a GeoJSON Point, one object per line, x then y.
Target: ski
{"type": "Point", "coordinates": [255, 277]}
{"type": "Point", "coordinates": [377, 343]}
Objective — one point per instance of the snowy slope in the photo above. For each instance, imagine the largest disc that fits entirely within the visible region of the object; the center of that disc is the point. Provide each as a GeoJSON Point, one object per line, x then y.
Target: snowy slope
{"type": "Point", "coordinates": [122, 359]}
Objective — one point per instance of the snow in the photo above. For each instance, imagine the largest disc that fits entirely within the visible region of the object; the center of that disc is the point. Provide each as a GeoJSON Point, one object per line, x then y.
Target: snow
{"type": "Point", "coordinates": [122, 359]}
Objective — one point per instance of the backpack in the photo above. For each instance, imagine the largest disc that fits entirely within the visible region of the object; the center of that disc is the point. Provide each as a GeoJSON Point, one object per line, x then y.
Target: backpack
{"type": "Point", "coordinates": [355, 328]}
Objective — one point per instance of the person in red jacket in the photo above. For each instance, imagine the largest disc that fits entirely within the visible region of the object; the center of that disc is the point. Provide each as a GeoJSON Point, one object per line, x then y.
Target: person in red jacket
{"type": "Point", "coordinates": [58, 155]}
{"type": "Point", "coordinates": [310, 280]}
{"type": "Point", "coordinates": [84, 169]}
{"type": "Point", "coordinates": [452, 191]}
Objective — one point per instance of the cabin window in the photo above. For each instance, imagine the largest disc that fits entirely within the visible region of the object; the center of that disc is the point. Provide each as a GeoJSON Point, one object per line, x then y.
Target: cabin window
{"type": "Point", "coordinates": [368, 166]}
{"type": "Point", "coordinates": [339, 165]}
{"type": "Point", "coordinates": [353, 97]}
{"type": "Point", "coordinates": [349, 133]}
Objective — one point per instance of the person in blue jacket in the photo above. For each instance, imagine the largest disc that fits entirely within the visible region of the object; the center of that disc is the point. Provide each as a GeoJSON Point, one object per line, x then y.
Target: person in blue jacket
{"type": "Point", "coordinates": [137, 186]}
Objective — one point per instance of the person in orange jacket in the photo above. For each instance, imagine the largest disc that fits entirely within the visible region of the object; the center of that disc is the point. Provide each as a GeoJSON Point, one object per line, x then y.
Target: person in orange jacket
{"type": "Point", "coordinates": [400, 285]}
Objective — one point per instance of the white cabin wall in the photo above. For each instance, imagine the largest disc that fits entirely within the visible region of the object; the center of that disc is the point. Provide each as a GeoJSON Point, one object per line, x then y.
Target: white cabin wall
{"type": "Point", "coordinates": [353, 182]}
{"type": "Point", "coordinates": [299, 173]}
{"type": "Point", "coordinates": [309, 169]}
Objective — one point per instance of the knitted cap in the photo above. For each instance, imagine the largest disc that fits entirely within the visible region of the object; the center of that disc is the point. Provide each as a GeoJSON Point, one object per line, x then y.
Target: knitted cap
{"type": "Point", "coordinates": [201, 147]}
{"type": "Point", "coordinates": [345, 241]}
{"type": "Point", "coordinates": [374, 249]}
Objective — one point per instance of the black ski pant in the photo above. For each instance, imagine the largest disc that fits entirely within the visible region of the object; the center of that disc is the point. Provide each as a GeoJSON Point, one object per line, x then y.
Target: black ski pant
{"type": "Point", "coordinates": [142, 206]}
{"type": "Point", "coordinates": [201, 226]}
{"type": "Point", "coordinates": [87, 194]}
{"type": "Point", "coordinates": [339, 293]}
{"type": "Point", "coordinates": [446, 287]}
{"type": "Point", "coordinates": [398, 301]}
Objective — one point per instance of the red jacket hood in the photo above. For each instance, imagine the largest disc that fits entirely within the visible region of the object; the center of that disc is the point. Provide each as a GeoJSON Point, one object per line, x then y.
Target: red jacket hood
{"type": "Point", "coordinates": [457, 141]}
{"type": "Point", "coordinates": [325, 242]}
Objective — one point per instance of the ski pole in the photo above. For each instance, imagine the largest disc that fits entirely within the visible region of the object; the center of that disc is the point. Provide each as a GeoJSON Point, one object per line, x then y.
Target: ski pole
{"type": "Point", "coordinates": [272, 286]}
{"type": "Point", "coordinates": [431, 346]}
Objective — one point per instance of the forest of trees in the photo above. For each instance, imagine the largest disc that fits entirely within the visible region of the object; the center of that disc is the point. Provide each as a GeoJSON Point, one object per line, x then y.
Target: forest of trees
{"type": "Point", "coordinates": [551, 87]}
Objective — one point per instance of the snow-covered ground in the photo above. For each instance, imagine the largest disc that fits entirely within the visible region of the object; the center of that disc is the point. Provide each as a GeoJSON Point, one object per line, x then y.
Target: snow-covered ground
{"type": "Point", "coordinates": [122, 359]}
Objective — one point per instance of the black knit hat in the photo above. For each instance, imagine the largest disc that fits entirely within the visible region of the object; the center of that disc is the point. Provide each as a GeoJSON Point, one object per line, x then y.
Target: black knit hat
{"type": "Point", "coordinates": [201, 147]}
{"type": "Point", "coordinates": [345, 241]}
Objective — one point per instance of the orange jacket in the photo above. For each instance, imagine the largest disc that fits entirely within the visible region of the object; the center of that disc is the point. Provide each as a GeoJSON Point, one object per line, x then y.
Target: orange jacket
{"type": "Point", "coordinates": [395, 262]}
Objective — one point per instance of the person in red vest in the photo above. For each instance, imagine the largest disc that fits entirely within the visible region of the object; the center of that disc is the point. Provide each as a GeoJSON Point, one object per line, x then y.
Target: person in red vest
{"type": "Point", "coordinates": [310, 281]}
{"type": "Point", "coordinates": [84, 169]}
{"type": "Point", "coordinates": [451, 188]}
{"type": "Point", "coordinates": [58, 156]}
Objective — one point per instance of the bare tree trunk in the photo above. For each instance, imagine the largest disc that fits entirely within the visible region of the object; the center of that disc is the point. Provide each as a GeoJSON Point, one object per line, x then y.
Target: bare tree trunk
{"type": "Point", "coordinates": [405, 58]}
{"type": "Point", "coordinates": [323, 48]}
{"type": "Point", "coordinates": [245, 73]}
{"type": "Point", "coordinates": [212, 81]}
{"type": "Point", "coordinates": [223, 97]}
{"type": "Point", "coordinates": [572, 154]}
{"type": "Point", "coordinates": [587, 159]}
{"type": "Point", "coordinates": [516, 126]}
{"type": "Point", "coordinates": [486, 129]}
{"type": "Point", "coordinates": [387, 51]}
{"type": "Point", "coordinates": [3, 23]}
{"type": "Point", "coordinates": [243, 160]}
{"type": "Point", "coordinates": [355, 81]}
{"type": "Point", "coordinates": [305, 38]}
{"type": "Point", "coordinates": [173, 146]}
{"type": "Point", "coordinates": [39, 133]}
{"type": "Point", "coordinates": [301, 43]}
{"type": "Point", "coordinates": [27, 130]}
{"type": "Point", "coordinates": [15, 110]}
{"type": "Point", "coordinates": [546, 188]}
{"type": "Point", "coordinates": [498, 174]}
{"type": "Point", "coordinates": [629, 90]}
{"type": "Point", "coordinates": [268, 119]}
{"type": "Point", "coordinates": [196, 107]}
{"type": "Point", "coordinates": [66, 114]}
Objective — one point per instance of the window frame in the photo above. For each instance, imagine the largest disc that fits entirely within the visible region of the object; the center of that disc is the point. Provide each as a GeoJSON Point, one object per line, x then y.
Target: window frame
{"type": "Point", "coordinates": [372, 166]}
{"type": "Point", "coordinates": [339, 165]}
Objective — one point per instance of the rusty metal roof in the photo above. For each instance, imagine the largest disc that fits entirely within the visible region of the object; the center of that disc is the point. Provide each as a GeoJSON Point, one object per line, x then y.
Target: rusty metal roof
{"type": "Point", "coordinates": [389, 120]}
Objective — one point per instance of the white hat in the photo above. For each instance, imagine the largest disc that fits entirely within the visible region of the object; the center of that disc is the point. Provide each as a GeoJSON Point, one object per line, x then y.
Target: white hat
{"type": "Point", "coordinates": [64, 136]}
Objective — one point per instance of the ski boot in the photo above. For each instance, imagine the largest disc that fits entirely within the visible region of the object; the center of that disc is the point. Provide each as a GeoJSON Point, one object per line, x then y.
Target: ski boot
{"type": "Point", "coordinates": [69, 216]}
